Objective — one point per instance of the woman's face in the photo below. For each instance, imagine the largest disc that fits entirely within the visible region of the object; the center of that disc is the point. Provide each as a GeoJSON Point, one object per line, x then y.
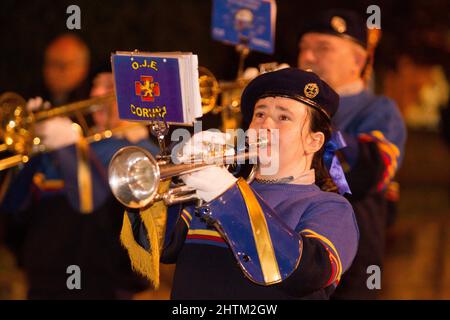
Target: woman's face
{"type": "Point", "coordinates": [290, 118]}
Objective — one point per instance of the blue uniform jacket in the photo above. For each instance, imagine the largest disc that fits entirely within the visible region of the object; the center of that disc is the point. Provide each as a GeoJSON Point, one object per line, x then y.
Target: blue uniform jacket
{"type": "Point", "coordinates": [375, 134]}
{"type": "Point", "coordinates": [263, 241]}
{"type": "Point", "coordinates": [56, 173]}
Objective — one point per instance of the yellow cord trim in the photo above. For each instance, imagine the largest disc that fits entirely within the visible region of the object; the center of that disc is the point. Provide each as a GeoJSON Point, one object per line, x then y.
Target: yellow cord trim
{"type": "Point", "coordinates": [154, 218]}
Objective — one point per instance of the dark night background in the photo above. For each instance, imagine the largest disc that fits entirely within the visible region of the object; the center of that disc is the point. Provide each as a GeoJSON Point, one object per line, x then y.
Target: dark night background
{"type": "Point", "coordinates": [171, 25]}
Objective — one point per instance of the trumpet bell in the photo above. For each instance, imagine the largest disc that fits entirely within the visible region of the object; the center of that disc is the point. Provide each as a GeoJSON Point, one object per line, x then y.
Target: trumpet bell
{"type": "Point", "coordinates": [134, 177]}
{"type": "Point", "coordinates": [209, 89]}
{"type": "Point", "coordinates": [16, 123]}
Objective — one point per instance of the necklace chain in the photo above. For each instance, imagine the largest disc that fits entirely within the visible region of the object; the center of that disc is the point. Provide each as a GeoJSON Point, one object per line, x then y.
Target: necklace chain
{"type": "Point", "coordinates": [272, 181]}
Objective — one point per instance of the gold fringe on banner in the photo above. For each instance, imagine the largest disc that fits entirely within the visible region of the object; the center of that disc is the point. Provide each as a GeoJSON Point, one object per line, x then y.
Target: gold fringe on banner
{"type": "Point", "coordinates": [154, 218]}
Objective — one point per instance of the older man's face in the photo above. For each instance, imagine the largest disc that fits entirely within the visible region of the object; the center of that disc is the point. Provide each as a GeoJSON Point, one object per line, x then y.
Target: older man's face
{"type": "Point", "coordinates": [66, 65]}
{"type": "Point", "coordinates": [332, 58]}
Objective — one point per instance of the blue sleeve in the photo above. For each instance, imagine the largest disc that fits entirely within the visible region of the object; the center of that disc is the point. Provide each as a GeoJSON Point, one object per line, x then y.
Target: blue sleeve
{"type": "Point", "coordinates": [244, 219]}
{"type": "Point", "coordinates": [139, 231]}
{"type": "Point", "coordinates": [308, 259]}
{"type": "Point", "coordinates": [383, 116]}
{"type": "Point", "coordinates": [375, 148]}
{"type": "Point", "coordinates": [177, 227]}
{"type": "Point", "coordinates": [333, 222]}
{"type": "Point", "coordinates": [266, 249]}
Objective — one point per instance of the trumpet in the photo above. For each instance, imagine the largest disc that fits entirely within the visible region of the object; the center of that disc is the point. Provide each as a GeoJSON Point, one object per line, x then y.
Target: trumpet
{"type": "Point", "coordinates": [230, 96]}
{"type": "Point", "coordinates": [135, 175]}
{"type": "Point", "coordinates": [229, 93]}
{"type": "Point", "coordinates": [17, 124]}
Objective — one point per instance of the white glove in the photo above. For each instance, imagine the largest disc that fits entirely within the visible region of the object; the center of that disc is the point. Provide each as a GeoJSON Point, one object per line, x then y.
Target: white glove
{"type": "Point", "coordinates": [57, 132]}
{"type": "Point", "coordinates": [282, 66]}
{"type": "Point", "coordinates": [210, 182]}
{"type": "Point", "coordinates": [36, 104]}
{"type": "Point", "coordinates": [250, 73]}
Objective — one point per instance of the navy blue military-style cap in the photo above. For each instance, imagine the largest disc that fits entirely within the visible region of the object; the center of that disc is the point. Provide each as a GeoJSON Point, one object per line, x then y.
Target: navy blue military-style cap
{"type": "Point", "coordinates": [293, 83]}
{"type": "Point", "coordinates": [339, 22]}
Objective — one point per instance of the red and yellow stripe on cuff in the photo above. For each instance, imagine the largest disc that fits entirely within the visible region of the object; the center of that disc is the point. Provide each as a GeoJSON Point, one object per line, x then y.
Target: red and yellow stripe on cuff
{"type": "Point", "coordinates": [335, 261]}
{"type": "Point", "coordinates": [204, 234]}
{"type": "Point", "coordinates": [389, 153]}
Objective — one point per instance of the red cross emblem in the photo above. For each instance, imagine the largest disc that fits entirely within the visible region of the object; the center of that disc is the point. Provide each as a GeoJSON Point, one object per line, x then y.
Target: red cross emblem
{"type": "Point", "coordinates": [147, 89]}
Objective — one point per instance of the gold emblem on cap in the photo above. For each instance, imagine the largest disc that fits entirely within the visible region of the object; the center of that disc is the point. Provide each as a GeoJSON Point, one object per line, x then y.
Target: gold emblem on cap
{"type": "Point", "coordinates": [338, 24]}
{"type": "Point", "coordinates": [311, 90]}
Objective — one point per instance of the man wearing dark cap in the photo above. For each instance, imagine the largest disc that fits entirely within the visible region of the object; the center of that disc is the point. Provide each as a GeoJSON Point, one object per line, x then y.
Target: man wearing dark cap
{"type": "Point", "coordinates": [285, 235]}
{"type": "Point", "coordinates": [335, 46]}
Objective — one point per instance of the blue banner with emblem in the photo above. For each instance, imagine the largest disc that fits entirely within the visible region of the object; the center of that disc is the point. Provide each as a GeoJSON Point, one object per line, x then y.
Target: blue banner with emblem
{"type": "Point", "coordinates": [148, 88]}
{"type": "Point", "coordinates": [245, 22]}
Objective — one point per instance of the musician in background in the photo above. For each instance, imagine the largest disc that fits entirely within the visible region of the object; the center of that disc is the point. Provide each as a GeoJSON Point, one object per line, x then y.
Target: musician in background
{"type": "Point", "coordinates": [66, 76]}
{"type": "Point", "coordinates": [335, 46]}
{"type": "Point", "coordinates": [63, 200]}
{"type": "Point", "coordinates": [66, 69]}
{"type": "Point", "coordinates": [108, 118]}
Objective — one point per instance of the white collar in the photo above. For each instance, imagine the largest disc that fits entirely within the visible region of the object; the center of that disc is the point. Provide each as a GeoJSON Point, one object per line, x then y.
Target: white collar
{"type": "Point", "coordinates": [351, 88]}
